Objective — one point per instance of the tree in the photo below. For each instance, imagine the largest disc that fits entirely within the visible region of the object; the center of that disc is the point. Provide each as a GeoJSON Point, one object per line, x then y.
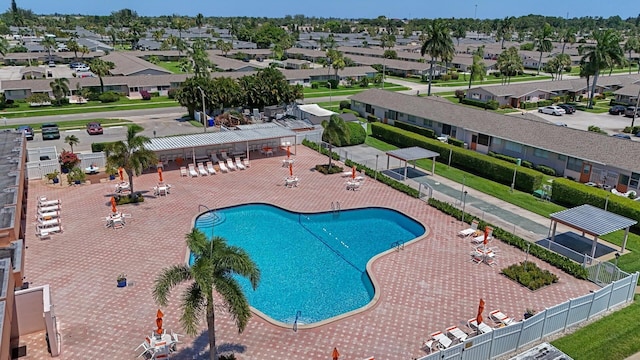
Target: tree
{"type": "Point", "coordinates": [337, 61]}
{"type": "Point", "coordinates": [543, 42]}
{"type": "Point", "coordinates": [509, 63]}
{"type": "Point", "coordinates": [438, 44]}
{"type": "Point", "coordinates": [199, 21]}
{"type": "Point", "coordinates": [158, 34]}
{"type": "Point", "coordinates": [335, 131]}
{"type": "Point", "coordinates": [102, 69]}
{"type": "Point", "coordinates": [131, 155]}
{"type": "Point", "coordinates": [224, 46]}
{"type": "Point", "coordinates": [478, 70]}
{"type": "Point", "coordinates": [459, 32]}
{"type": "Point", "coordinates": [200, 59]}
{"type": "Point", "coordinates": [215, 268]}
{"type": "Point", "coordinates": [72, 140]}
{"type": "Point", "coordinates": [49, 43]}
{"type": "Point", "coordinates": [632, 44]}
{"type": "Point", "coordinates": [605, 53]}
{"type": "Point", "coordinates": [505, 29]}
{"type": "Point", "coordinates": [181, 25]}
{"type": "Point", "coordinates": [4, 46]}
{"type": "Point", "coordinates": [73, 45]}
{"type": "Point", "coordinates": [60, 89]}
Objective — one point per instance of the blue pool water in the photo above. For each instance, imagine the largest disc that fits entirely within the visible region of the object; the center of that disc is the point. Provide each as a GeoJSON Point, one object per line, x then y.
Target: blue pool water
{"type": "Point", "coordinates": [312, 263]}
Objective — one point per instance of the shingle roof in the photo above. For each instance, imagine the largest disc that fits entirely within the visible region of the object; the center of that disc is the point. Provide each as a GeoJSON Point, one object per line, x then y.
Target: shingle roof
{"type": "Point", "coordinates": [629, 90]}
{"type": "Point", "coordinates": [127, 64]}
{"type": "Point", "coordinates": [622, 154]}
{"type": "Point", "coordinates": [593, 220]}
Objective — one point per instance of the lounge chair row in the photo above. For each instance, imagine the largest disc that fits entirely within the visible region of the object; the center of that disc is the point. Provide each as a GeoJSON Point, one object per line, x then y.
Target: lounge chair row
{"type": "Point", "coordinates": [201, 170]}
{"type": "Point", "coordinates": [48, 217]}
{"type": "Point", "coordinates": [477, 235]}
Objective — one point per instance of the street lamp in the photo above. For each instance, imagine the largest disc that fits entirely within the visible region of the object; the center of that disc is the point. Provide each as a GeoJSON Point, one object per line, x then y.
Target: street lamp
{"type": "Point", "coordinates": [515, 170]}
{"type": "Point", "coordinates": [464, 202]}
{"type": "Point", "coordinates": [617, 257]}
{"type": "Point", "coordinates": [375, 174]}
{"type": "Point", "coordinates": [329, 85]}
{"type": "Point", "coordinates": [204, 112]}
{"type": "Point", "coordinates": [633, 119]}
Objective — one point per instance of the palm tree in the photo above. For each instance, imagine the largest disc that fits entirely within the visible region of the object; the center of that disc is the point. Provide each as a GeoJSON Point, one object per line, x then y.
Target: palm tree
{"type": "Point", "coordinates": [568, 36]}
{"type": "Point", "coordinates": [158, 35]}
{"type": "Point", "coordinates": [60, 89]}
{"type": "Point", "coordinates": [335, 130]}
{"type": "Point", "coordinates": [478, 70]}
{"type": "Point", "coordinates": [509, 63]}
{"type": "Point", "coordinates": [199, 21]}
{"type": "Point", "coordinates": [224, 46]}
{"type": "Point", "coordinates": [543, 42]}
{"type": "Point", "coordinates": [72, 140]}
{"type": "Point", "coordinates": [131, 155]}
{"type": "Point", "coordinates": [632, 44]}
{"type": "Point", "coordinates": [459, 32]}
{"type": "Point", "coordinates": [4, 46]}
{"type": "Point", "coordinates": [49, 43]}
{"type": "Point", "coordinates": [181, 25]}
{"type": "Point", "coordinates": [505, 29]}
{"type": "Point", "coordinates": [214, 269]}
{"type": "Point", "coordinates": [604, 54]}
{"type": "Point", "coordinates": [101, 68]}
{"type": "Point", "coordinates": [73, 45]}
{"type": "Point", "coordinates": [438, 44]}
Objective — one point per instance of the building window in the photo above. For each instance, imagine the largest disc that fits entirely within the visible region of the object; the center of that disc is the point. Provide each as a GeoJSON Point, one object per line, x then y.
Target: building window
{"type": "Point", "coordinates": [497, 141]}
{"type": "Point", "coordinates": [574, 164]}
{"type": "Point", "coordinates": [428, 123]}
{"type": "Point", "coordinates": [483, 139]}
{"type": "Point", "coordinates": [541, 153]}
{"type": "Point", "coordinates": [392, 115]}
{"type": "Point", "coordinates": [635, 178]}
{"type": "Point", "coordinates": [412, 119]}
{"type": "Point", "coordinates": [562, 157]}
{"type": "Point", "coordinates": [514, 147]}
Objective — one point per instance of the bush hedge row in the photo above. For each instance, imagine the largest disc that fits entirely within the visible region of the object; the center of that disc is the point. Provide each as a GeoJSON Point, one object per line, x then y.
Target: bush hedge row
{"type": "Point", "coordinates": [357, 134]}
{"type": "Point", "coordinates": [530, 275]}
{"type": "Point", "coordinates": [416, 129]}
{"type": "Point", "coordinates": [491, 104]}
{"type": "Point", "coordinates": [557, 260]}
{"type": "Point", "coordinates": [99, 146]}
{"type": "Point", "coordinates": [570, 193]}
{"type": "Point", "coordinates": [527, 180]}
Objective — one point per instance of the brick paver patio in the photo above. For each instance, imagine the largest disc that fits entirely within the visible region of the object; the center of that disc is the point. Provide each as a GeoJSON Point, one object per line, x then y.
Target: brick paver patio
{"type": "Point", "coordinates": [426, 287]}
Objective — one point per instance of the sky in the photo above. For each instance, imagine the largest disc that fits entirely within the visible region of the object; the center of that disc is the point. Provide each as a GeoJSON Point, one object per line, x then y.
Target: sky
{"type": "Point", "coordinates": [482, 9]}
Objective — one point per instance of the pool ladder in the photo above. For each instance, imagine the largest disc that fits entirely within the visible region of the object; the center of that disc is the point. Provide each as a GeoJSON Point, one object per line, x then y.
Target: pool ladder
{"type": "Point", "coordinates": [295, 322]}
{"type": "Point", "coordinates": [399, 245]}
{"type": "Point", "coordinates": [335, 207]}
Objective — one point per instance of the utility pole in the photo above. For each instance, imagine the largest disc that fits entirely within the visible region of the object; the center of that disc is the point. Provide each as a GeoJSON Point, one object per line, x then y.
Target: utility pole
{"type": "Point", "coordinates": [204, 112]}
{"type": "Point", "coordinates": [475, 13]}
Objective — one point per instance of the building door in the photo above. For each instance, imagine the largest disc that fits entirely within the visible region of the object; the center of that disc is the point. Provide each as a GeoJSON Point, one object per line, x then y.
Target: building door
{"type": "Point", "coordinates": [446, 129]}
{"type": "Point", "coordinates": [474, 141]}
{"type": "Point", "coordinates": [585, 175]}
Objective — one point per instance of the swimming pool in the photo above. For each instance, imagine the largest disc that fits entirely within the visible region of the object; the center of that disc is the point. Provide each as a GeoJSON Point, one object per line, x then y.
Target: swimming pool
{"type": "Point", "coordinates": [312, 265]}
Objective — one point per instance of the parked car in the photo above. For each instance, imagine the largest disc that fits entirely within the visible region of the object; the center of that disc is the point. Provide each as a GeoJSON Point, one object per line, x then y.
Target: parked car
{"type": "Point", "coordinates": [568, 108]}
{"type": "Point", "coordinates": [552, 110]}
{"type": "Point", "coordinates": [622, 136]}
{"type": "Point", "coordinates": [74, 65]}
{"type": "Point", "coordinates": [560, 124]}
{"type": "Point", "coordinates": [82, 68]}
{"type": "Point", "coordinates": [27, 130]}
{"type": "Point", "coordinates": [94, 128]}
{"type": "Point", "coordinates": [617, 109]}
{"type": "Point", "coordinates": [630, 110]}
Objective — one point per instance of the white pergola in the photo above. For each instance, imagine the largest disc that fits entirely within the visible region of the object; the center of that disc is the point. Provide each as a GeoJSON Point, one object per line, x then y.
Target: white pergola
{"type": "Point", "coordinates": [593, 221]}
{"type": "Point", "coordinates": [412, 154]}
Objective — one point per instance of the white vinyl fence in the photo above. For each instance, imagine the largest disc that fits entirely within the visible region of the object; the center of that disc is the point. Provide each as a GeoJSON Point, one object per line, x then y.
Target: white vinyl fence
{"type": "Point", "coordinates": [42, 161]}
{"type": "Point", "coordinates": [508, 339]}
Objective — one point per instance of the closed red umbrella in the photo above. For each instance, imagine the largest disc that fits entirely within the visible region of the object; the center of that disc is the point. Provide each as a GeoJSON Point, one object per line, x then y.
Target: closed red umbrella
{"type": "Point", "coordinates": [288, 152]}
{"type": "Point", "coordinates": [290, 169]}
{"type": "Point", "coordinates": [480, 310]}
{"type": "Point", "coordinates": [113, 204]}
{"type": "Point", "coordinates": [160, 173]}
{"type": "Point", "coordinates": [353, 172]}
{"type": "Point", "coordinates": [486, 236]}
{"type": "Point", "coordinates": [121, 173]}
{"type": "Point", "coordinates": [335, 354]}
{"type": "Point", "coordinates": [159, 316]}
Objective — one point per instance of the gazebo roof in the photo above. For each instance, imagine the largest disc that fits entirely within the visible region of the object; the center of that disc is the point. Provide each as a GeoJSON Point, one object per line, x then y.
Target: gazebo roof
{"type": "Point", "coordinates": [412, 153]}
{"type": "Point", "coordinates": [592, 220]}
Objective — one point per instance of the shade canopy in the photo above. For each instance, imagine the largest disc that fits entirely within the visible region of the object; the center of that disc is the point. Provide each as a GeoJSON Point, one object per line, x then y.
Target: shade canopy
{"type": "Point", "coordinates": [412, 154]}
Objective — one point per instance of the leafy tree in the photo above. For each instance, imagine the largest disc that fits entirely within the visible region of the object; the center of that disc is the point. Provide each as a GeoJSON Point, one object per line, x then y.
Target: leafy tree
{"type": "Point", "coordinates": [214, 269]}
{"type": "Point", "coordinates": [181, 25]}
{"type": "Point", "coordinates": [158, 34]}
{"type": "Point", "coordinates": [73, 45]}
{"type": "Point", "coordinates": [335, 132]}
{"type": "Point", "coordinates": [224, 46]}
{"type": "Point", "coordinates": [556, 64]}
{"type": "Point", "coordinates": [605, 53]}
{"type": "Point", "coordinates": [153, 59]}
{"type": "Point", "coordinates": [509, 63]}
{"type": "Point", "coordinates": [438, 44]}
{"type": "Point", "coordinates": [4, 46]}
{"type": "Point", "coordinates": [60, 89]}
{"type": "Point", "coordinates": [102, 69]}
{"type": "Point", "coordinates": [131, 155]}
{"type": "Point", "coordinates": [71, 140]}
{"type": "Point", "coordinates": [505, 29]}
{"type": "Point", "coordinates": [49, 43]}
{"type": "Point", "coordinates": [543, 42]}
{"type": "Point", "coordinates": [459, 32]}
{"type": "Point", "coordinates": [200, 59]}
{"type": "Point", "coordinates": [478, 70]}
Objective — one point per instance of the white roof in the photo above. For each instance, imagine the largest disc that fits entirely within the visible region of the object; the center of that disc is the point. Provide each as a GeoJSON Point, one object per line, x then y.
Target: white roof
{"type": "Point", "coordinates": [315, 110]}
{"type": "Point", "coordinates": [248, 133]}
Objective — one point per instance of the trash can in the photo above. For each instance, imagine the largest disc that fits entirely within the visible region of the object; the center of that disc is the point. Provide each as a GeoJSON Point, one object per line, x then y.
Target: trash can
{"type": "Point", "coordinates": [210, 122]}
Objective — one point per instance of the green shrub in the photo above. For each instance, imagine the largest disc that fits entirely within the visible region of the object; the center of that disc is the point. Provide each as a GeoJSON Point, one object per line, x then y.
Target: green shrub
{"type": "Point", "coordinates": [630, 130]}
{"type": "Point", "coordinates": [314, 85]}
{"type": "Point", "coordinates": [99, 146]}
{"type": "Point", "coordinates": [527, 164]}
{"type": "Point", "coordinates": [129, 199]}
{"type": "Point", "coordinates": [527, 180]}
{"type": "Point", "coordinates": [455, 142]}
{"type": "Point", "coordinates": [459, 94]}
{"type": "Point", "coordinates": [445, 77]}
{"type": "Point", "coordinates": [596, 129]}
{"type": "Point", "coordinates": [454, 76]}
{"type": "Point", "coordinates": [542, 103]}
{"type": "Point", "coordinates": [530, 275]}
{"type": "Point", "coordinates": [155, 94]}
{"type": "Point", "coordinates": [364, 82]}
{"type": "Point", "coordinates": [172, 93]}
{"type": "Point", "coordinates": [334, 83]}
{"type": "Point", "coordinates": [345, 104]}
{"type": "Point", "coordinates": [416, 129]}
{"type": "Point", "coordinates": [491, 104]}
{"type": "Point", "coordinates": [546, 170]}
{"type": "Point", "coordinates": [528, 105]}
{"type": "Point", "coordinates": [323, 151]}
{"type": "Point", "coordinates": [109, 97]}
{"type": "Point", "coordinates": [357, 134]}
{"type": "Point", "coordinates": [372, 118]}
{"type": "Point", "coordinates": [614, 102]}
{"type": "Point", "coordinates": [324, 168]}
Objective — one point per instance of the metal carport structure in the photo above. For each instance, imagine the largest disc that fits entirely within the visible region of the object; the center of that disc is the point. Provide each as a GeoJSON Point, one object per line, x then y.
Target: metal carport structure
{"type": "Point", "coordinates": [593, 221]}
{"type": "Point", "coordinates": [412, 154]}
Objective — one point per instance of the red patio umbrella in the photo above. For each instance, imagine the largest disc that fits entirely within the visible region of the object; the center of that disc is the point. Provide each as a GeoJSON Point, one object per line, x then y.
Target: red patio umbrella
{"type": "Point", "coordinates": [480, 310]}
{"type": "Point", "coordinates": [290, 169]}
{"type": "Point", "coordinates": [288, 152]}
{"type": "Point", "coordinates": [159, 316]}
{"type": "Point", "coordinates": [335, 354]}
{"type": "Point", "coordinates": [160, 173]}
{"type": "Point", "coordinates": [121, 173]}
{"type": "Point", "coordinates": [113, 204]}
{"type": "Point", "coordinates": [486, 236]}
{"type": "Point", "coordinates": [353, 172]}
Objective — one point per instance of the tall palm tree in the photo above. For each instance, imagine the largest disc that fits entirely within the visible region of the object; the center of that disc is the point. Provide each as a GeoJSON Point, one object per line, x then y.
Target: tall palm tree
{"type": "Point", "coordinates": [505, 29]}
{"type": "Point", "coordinates": [60, 89]}
{"type": "Point", "coordinates": [459, 32]}
{"type": "Point", "coordinates": [543, 42]}
{"type": "Point", "coordinates": [438, 44]}
{"type": "Point", "coordinates": [73, 45]}
{"type": "Point", "coordinates": [181, 25]}
{"type": "Point", "coordinates": [4, 46]}
{"type": "Point", "coordinates": [478, 70]}
{"type": "Point", "coordinates": [214, 269]}
{"type": "Point", "coordinates": [568, 35]}
{"type": "Point", "coordinates": [131, 155]}
{"type": "Point", "coordinates": [632, 44]}
{"type": "Point", "coordinates": [199, 21]}
{"type": "Point", "coordinates": [72, 140]}
{"type": "Point", "coordinates": [101, 68]}
{"type": "Point", "coordinates": [605, 53]}
{"type": "Point", "coordinates": [49, 42]}
{"type": "Point", "coordinates": [158, 35]}
{"type": "Point", "coordinates": [335, 130]}
{"type": "Point", "coordinates": [509, 63]}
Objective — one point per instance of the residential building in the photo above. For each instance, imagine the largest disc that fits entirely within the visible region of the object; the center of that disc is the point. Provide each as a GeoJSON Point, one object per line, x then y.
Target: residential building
{"type": "Point", "coordinates": [127, 64]}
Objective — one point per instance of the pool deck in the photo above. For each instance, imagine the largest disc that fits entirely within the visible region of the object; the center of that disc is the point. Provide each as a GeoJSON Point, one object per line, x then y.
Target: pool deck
{"type": "Point", "coordinates": [427, 287]}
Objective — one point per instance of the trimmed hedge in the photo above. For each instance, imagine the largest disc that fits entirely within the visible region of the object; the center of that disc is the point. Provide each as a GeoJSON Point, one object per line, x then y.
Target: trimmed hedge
{"type": "Point", "coordinates": [530, 275]}
{"type": "Point", "coordinates": [357, 134]}
{"type": "Point", "coordinates": [570, 193]}
{"type": "Point", "coordinates": [323, 151]}
{"type": "Point", "coordinates": [100, 146]}
{"type": "Point", "coordinates": [546, 170]}
{"type": "Point", "coordinates": [527, 180]}
{"type": "Point", "coordinates": [562, 262]}
{"type": "Point", "coordinates": [455, 142]}
{"type": "Point", "coordinates": [481, 104]}
{"type": "Point", "coordinates": [416, 129]}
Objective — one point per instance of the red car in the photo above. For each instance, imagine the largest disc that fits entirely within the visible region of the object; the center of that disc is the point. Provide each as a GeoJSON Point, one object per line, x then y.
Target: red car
{"type": "Point", "coordinates": [94, 128]}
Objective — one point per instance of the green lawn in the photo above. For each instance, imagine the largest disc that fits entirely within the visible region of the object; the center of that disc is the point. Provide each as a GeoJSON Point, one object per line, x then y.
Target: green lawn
{"type": "Point", "coordinates": [24, 110]}
{"type": "Point", "coordinates": [173, 66]}
{"type": "Point", "coordinates": [74, 124]}
{"type": "Point", "coordinates": [333, 105]}
{"type": "Point", "coordinates": [612, 337]}
{"type": "Point", "coordinates": [342, 91]}
{"type": "Point", "coordinates": [488, 80]}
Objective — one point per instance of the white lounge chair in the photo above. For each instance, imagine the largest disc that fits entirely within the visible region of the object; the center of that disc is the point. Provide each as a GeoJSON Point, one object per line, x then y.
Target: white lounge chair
{"type": "Point", "coordinates": [214, 158]}
{"type": "Point", "coordinates": [183, 171]}
{"type": "Point", "coordinates": [442, 339]}
{"type": "Point", "coordinates": [45, 203]}
{"type": "Point", "coordinates": [245, 162]}
{"type": "Point", "coordinates": [223, 155]}
{"type": "Point", "coordinates": [210, 168]}
{"type": "Point", "coordinates": [480, 238]}
{"type": "Point", "coordinates": [202, 170]}
{"type": "Point", "coordinates": [192, 171]}
{"type": "Point", "coordinates": [45, 232]}
{"type": "Point", "coordinates": [223, 167]}
{"type": "Point", "coordinates": [239, 164]}
{"type": "Point", "coordinates": [470, 230]}
{"type": "Point", "coordinates": [481, 328]}
{"type": "Point", "coordinates": [230, 164]}
{"type": "Point", "coordinates": [457, 333]}
{"type": "Point", "coordinates": [500, 317]}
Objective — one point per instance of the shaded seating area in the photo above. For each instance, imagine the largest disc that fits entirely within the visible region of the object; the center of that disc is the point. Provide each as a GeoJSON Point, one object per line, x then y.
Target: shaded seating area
{"type": "Point", "coordinates": [412, 154]}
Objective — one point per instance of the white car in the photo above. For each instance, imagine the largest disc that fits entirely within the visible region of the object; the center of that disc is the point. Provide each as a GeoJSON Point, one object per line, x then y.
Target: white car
{"type": "Point", "coordinates": [552, 110]}
{"type": "Point", "coordinates": [82, 68]}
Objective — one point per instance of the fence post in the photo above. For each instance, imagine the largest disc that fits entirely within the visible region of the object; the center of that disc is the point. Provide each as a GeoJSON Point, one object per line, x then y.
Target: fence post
{"type": "Point", "coordinates": [613, 284]}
